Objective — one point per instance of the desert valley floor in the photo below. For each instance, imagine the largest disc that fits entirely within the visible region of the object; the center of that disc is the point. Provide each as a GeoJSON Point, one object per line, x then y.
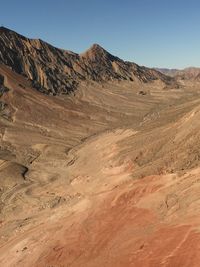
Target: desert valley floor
{"type": "Point", "coordinates": [106, 176]}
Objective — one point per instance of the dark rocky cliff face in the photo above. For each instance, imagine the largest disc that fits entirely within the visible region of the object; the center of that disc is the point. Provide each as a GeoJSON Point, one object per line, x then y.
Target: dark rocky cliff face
{"type": "Point", "coordinates": [58, 71]}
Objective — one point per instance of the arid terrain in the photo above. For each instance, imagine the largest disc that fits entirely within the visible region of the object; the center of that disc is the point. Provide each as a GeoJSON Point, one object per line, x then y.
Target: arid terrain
{"type": "Point", "coordinates": [99, 160]}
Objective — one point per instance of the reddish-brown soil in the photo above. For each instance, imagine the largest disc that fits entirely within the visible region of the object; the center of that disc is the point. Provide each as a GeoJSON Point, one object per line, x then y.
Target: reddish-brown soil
{"type": "Point", "coordinates": [105, 177]}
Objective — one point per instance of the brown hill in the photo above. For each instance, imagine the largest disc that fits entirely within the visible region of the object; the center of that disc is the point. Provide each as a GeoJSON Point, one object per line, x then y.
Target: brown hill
{"type": "Point", "coordinates": [190, 73]}
{"type": "Point", "coordinates": [56, 71]}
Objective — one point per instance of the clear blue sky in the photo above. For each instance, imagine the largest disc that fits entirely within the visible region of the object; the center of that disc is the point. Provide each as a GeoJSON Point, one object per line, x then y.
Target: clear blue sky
{"type": "Point", "coordinates": [155, 33]}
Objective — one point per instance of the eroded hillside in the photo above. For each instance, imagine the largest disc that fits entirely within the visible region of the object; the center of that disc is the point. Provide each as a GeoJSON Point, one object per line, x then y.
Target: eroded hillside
{"type": "Point", "coordinates": [57, 71]}
{"type": "Point", "coordinates": [105, 176]}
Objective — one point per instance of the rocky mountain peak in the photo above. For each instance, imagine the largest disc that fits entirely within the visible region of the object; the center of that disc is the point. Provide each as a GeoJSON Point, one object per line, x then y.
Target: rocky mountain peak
{"type": "Point", "coordinates": [96, 48]}
{"type": "Point", "coordinates": [58, 71]}
{"type": "Point", "coordinates": [97, 52]}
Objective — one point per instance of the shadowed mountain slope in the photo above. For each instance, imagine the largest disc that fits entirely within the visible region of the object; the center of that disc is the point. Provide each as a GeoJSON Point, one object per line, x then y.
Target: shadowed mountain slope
{"type": "Point", "coordinates": [56, 71]}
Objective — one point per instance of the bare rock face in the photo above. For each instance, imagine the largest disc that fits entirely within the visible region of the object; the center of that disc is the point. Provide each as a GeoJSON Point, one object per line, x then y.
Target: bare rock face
{"type": "Point", "coordinates": [57, 71]}
{"type": "Point", "coordinates": [49, 68]}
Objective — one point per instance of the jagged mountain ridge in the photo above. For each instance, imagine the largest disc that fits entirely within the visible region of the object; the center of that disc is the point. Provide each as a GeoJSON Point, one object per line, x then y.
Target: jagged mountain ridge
{"type": "Point", "coordinates": [53, 70]}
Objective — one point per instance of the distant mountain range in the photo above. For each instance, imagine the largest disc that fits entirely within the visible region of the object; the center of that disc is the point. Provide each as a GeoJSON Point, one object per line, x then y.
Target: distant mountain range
{"type": "Point", "coordinates": [190, 73]}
